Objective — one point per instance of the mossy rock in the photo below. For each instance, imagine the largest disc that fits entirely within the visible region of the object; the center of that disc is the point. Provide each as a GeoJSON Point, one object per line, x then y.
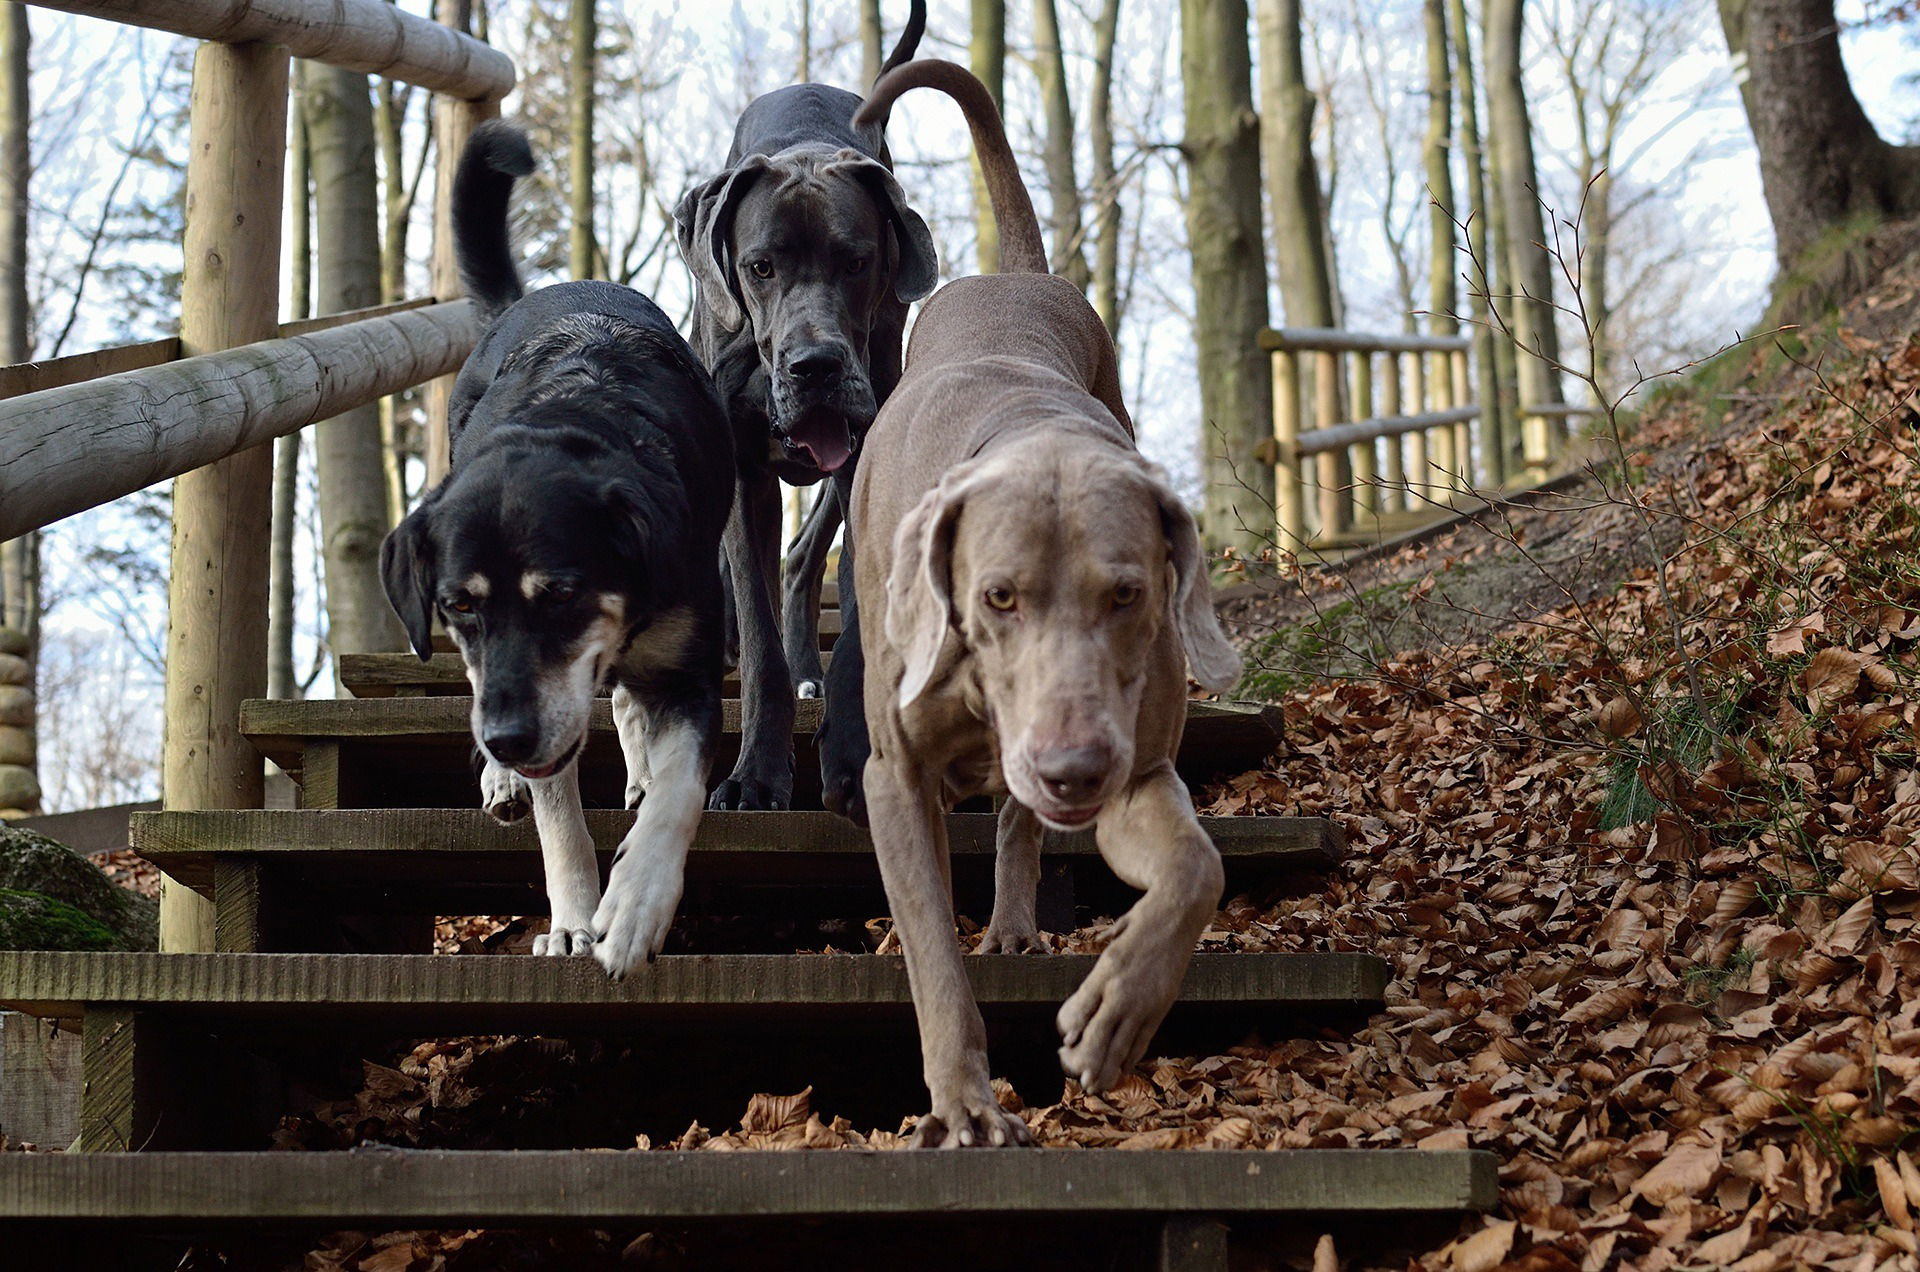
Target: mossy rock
{"type": "Point", "coordinates": [31, 862]}
{"type": "Point", "coordinates": [30, 921]}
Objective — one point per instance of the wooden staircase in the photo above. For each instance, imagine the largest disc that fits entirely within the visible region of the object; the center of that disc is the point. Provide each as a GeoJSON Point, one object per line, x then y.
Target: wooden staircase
{"type": "Point", "coordinates": [323, 932]}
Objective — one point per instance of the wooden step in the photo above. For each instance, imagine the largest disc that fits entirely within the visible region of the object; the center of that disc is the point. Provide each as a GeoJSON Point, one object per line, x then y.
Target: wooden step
{"type": "Point", "coordinates": [404, 676]}
{"type": "Point", "coordinates": [418, 752]}
{"type": "Point", "coordinates": [270, 874]}
{"type": "Point", "coordinates": [208, 1051]}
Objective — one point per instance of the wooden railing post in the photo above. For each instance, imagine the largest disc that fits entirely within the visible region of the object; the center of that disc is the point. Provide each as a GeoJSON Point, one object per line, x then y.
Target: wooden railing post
{"type": "Point", "coordinates": [1420, 489]}
{"type": "Point", "coordinates": [217, 591]}
{"type": "Point", "coordinates": [1328, 467]}
{"type": "Point", "coordinates": [1365, 455]}
{"type": "Point", "coordinates": [1462, 432]}
{"type": "Point", "coordinates": [1394, 496]}
{"type": "Point", "coordinates": [1445, 461]}
{"type": "Point", "coordinates": [1288, 509]}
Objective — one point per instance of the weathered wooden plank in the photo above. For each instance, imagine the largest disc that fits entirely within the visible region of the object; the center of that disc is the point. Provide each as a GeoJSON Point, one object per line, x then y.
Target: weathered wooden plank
{"type": "Point", "coordinates": [420, 844]}
{"type": "Point", "coordinates": [235, 883]}
{"type": "Point", "coordinates": [39, 1081]}
{"type": "Point", "coordinates": [1337, 340]}
{"type": "Point", "coordinates": [522, 992]}
{"type": "Point", "coordinates": [65, 450]}
{"type": "Point", "coordinates": [108, 1113]}
{"type": "Point", "coordinates": [387, 675]}
{"type": "Point", "coordinates": [458, 1188]}
{"type": "Point", "coordinates": [1192, 1243]}
{"type": "Point", "coordinates": [356, 35]}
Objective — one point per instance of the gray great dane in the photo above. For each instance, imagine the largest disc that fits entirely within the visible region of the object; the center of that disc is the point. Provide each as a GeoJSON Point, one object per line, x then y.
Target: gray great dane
{"type": "Point", "coordinates": [805, 255]}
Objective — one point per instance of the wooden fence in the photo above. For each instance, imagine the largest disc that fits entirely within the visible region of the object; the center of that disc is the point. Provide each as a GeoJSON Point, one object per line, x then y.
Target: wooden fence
{"type": "Point", "coordinates": [202, 407]}
{"type": "Point", "coordinates": [1377, 434]}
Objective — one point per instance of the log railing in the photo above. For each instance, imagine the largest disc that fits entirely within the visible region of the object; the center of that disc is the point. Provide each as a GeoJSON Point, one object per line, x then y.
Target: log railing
{"type": "Point", "coordinates": [1375, 432]}
{"type": "Point", "coordinates": [96, 426]}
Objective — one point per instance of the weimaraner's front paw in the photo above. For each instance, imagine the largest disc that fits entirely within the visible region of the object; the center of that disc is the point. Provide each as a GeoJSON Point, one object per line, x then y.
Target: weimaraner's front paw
{"type": "Point", "coordinates": [1011, 937]}
{"type": "Point", "coordinates": [973, 1119]}
{"type": "Point", "coordinates": [564, 941]}
{"type": "Point", "coordinates": [1110, 1019]}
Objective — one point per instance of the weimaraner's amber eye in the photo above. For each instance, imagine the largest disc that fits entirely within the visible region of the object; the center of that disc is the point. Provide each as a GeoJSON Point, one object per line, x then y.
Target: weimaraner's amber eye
{"type": "Point", "coordinates": [1125, 594]}
{"type": "Point", "coordinates": [761, 269]}
{"type": "Point", "coordinates": [1001, 598]}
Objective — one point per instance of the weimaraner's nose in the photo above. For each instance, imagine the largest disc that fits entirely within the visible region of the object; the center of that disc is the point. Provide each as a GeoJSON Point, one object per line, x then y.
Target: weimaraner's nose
{"type": "Point", "coordinates": [818, 365]}
{"type": "Point", "coordinates": [1074, 774]}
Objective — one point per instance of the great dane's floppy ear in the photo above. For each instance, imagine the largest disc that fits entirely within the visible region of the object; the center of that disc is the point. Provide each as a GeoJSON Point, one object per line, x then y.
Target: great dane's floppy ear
{"type": "Point", "coordinates": [1215, 665]}
{"type": "Point", "coordinates": [703, 224]}
{"type": "Point", "coordinates": [406, 571]}
{"type": "Point", "coordinates": [920, 585]}
{"type": "Point", "coordinates": [918, 270]}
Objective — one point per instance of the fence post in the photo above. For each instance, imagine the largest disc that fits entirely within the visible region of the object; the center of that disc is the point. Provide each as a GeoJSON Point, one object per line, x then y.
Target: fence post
{"type": "Point", "coordinates": [1463, 431]}
{"type": "Point", "coordinates": [217, 590]}
{"type": "Point", "coordinates": [1446, 462]}
{"type": "Point", "coordinates": [1328, 465]}
{"type": "Point", "coordinates": [1287, 504]}
{"type": "Point", "coordinates": [1393, 493]}
{"type": "Point", "coordinates": [1365, 455]}
{"type": "Point", "coordinates": [1419, 475]}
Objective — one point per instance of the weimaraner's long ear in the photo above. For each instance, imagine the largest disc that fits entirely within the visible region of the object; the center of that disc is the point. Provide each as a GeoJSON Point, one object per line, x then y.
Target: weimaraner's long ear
{"type": "Point", "coordinates": [703, 226]}
{"type": "Point", "coordinates": [918, 270]}
{"type": "Point", "coordinates": [920, 615]}
{"type": "Point", "coordinates": [1211, 656]}
{"type": "Point", "coordinates": [406, 572]}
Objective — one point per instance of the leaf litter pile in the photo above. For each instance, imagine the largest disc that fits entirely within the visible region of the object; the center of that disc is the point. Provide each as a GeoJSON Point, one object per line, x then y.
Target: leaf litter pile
{"type": "Point", "coordinates": [1647, 871]}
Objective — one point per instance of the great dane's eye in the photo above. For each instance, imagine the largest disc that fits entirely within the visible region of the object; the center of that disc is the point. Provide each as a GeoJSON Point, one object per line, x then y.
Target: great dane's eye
{"type": "Point", "coordinates": [761, 268]}
{"type": "Point", "coordinates": [1000, 598]}
{"type": "Point", "coordinates": [858, 265]}
{"type": "Point", "coordinates": [1125, 594]}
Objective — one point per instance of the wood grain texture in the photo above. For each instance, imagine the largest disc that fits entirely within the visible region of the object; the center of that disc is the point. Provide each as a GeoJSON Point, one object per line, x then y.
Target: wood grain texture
{"type": "Point", "coordinates": [458, 1188]}
{"type": "Point", "coordinates": [107, 1086]}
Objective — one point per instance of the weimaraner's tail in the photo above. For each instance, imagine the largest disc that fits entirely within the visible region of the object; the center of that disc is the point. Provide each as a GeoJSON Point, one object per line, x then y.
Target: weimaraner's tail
{"type": "Point", "coordinates": [1021, 251]}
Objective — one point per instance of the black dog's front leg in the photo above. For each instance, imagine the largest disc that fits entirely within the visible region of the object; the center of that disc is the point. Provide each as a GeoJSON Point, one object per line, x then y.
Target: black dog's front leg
{"type": "Point", "coordinates": [763, 776]}
{"type": "Point", "coordinates": [842, 739]}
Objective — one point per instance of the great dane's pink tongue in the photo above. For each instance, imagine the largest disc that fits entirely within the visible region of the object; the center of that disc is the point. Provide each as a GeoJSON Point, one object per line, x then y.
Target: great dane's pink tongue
{"type": "Point", "coordinates": [824, 441]}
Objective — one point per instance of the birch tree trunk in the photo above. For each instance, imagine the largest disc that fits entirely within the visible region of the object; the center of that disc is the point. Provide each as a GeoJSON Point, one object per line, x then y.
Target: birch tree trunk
{"type": "Point", "coordinates": [1293, 179]}
{"type": "Point", "coordinates": [1497, 431]}
{"type": "Point", "coordinates": [1106, 180]}
{"type": "Point", "coordinates": [348, 455]}
{"type": "Point", "coordinates": [582, 253]}
{"type": "Point", "coordinates": [1222, 148]}
{"type": "Point", "coordinates": [1530, 266]}
{"type": "Point", "coordinates": [282, 681]}
{"type": "Point", "coordinates": [870, 37]}
{"type": "Point", "coordinates": [1063, 183]}
{"type": "Point", "coordinates": [19, 558]}
{"type": "Point", "coordinates": [1442, 295]}
{"type": "Point", "coordinates": [987, 52]}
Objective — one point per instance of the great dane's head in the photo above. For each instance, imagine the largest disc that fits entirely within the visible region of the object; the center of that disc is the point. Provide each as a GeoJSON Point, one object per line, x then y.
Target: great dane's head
{"type": "Point", "coordinates": [805, 248]}
{"type": "Point", "coordinates": [540, 568]}
{"type": "Point", "coordinates": [1057, 567]}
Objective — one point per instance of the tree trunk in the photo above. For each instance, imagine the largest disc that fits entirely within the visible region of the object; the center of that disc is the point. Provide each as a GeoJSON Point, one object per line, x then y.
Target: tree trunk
{"type": "Point", "coordinates": [281, 681]}
{"type": "Point", "coordinates": [1529, 265]}
{"type": "Point", "coordinates": [1442, 299]}
{"type": "Point", "coordinates": [804, 71]}
{"type": "Point", "coordinates": [582, 253]}
{"type": "Point", "coordinates": [1222, 148]}
{"type": "Point", "coordinates": [1821, 162]}
{"type": "Point", "coordinates": [347, 451]}
{"type": "Point", "coordinates": [987, 52]}
{"type": "Point", "coordinates": [1496, 431]}
{"type": "Point", "coordinates": [19, 558]}
{"type": "Point", "coordinates": [1596, 242]}
{"type": "Point", "coordinates": [871, 34]}
{"type": "Point", "coordinates": [1063, 183]}
{"type": "Point", "coordinates": [389, 120]}
{"type": "Point", "coordinates": [1106, 180]}
{"type": "Point", "coordinates": [1293, 179]}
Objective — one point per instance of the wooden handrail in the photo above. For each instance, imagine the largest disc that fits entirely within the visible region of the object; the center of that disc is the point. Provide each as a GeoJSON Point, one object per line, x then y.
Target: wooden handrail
{"type": "Point", "coordinates": [1333, 340]}
{"type": "Point", "coordinates": [68, 449]}
{"type": "Point", "coordinates": [355, 35]}
{"type": "Point", "coordinates": [1322, 440]}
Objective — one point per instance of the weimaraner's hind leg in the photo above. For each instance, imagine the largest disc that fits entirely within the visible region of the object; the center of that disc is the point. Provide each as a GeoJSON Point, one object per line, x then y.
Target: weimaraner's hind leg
{"type": "Point", "coordinates": [805, 571]}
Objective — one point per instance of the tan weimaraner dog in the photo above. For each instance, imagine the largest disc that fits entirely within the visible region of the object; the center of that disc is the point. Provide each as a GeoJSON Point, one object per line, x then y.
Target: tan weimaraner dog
{"type": "Point", "coordinates": [1034, 594]}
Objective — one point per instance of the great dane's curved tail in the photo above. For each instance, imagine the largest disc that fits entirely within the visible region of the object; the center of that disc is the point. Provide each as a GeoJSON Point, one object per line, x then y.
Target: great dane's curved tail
{"type": "Point", "coordinates": [909, 41]}
{"type": "Point", "coordinates": [496, 156]}
{"type": "Point", "coordinates": [1021, 249]}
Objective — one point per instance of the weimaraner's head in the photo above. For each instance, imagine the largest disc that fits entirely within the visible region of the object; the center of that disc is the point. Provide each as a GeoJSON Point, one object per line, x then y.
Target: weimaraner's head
{"type": "Point", "coordinates": [1057, 568]}
{"type": "Point", "coordinates": [805, 247]}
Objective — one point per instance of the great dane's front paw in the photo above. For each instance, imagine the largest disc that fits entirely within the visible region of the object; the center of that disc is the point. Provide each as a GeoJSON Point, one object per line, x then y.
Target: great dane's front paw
{"type": "Point", "coordinates": [504, 794]}
{"type": "Point", "coordinates": [750, 794]}
{"type": "Point", "coordinates": [1106, 1026]}
{"type": "Point", "coordinates": [970, 1119]}
{"type": "Point", "coordinates": [843, 764]}
{"type": "Point", "coordinates": [633, 920]}
{"type": "Point", "coordinates": [564, 941]}
{"type": "Point", "coordinates": [1011, 937]}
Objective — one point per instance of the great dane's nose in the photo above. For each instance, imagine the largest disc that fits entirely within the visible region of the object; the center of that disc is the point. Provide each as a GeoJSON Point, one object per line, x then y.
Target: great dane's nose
{"type": "Point", "coordinates": [510, 743]}
{"type": "Point", "coordinates": [1073, 774]}
{"type": "Point", "coordinates": [816, 367]}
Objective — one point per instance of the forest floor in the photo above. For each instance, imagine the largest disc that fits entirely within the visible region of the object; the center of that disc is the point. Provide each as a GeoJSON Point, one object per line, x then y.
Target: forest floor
{"type": "Point", "coordinates": [1631, 786]}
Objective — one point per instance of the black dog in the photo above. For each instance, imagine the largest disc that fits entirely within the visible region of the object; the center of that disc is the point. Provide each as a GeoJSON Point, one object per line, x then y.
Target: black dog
{"type": "Point", "coordinates": [576, 541]}
{"type": "Point", "coordinates": [806, 256]}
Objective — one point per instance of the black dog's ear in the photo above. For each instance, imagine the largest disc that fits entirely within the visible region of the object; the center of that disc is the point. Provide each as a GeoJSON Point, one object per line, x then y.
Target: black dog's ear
{"type": "Point", "coordinates": [645, 520]}
{"type": "Point", "coordinates": [703, 226]}
{"type": "Point", "coordinates": [918, 270]}
{"type": "Point", "coordinates": [406, 571]}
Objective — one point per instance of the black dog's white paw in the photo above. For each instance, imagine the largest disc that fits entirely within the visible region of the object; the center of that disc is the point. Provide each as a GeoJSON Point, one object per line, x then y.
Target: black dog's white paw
{"type": "Point", "coordinates": [809, 689]}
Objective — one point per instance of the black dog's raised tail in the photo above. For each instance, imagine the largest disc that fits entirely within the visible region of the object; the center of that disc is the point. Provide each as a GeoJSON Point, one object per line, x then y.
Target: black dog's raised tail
{"type": "Point", "coordinates": [1021, 249]}
{"type": "Point", "coordinates": [496, 156]}
{"type": "Point", "coordinates": [909, 42]}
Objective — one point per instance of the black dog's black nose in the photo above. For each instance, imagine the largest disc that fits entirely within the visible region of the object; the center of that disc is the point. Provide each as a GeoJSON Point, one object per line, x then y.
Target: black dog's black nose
{"type": "Point", "coordinates": [818, 365]}
{"type": "Point", "coordinates": [1074, 773]}
{"type": "Point", "coordinates": [510, 744]}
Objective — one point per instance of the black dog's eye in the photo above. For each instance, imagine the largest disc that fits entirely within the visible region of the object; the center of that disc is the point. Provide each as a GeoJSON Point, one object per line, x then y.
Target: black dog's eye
{"type": "Point", "coordinates": [460, 605]}
{"type": "Point", "coordinates": [1001, 598]}
{"type": "Point", "coordinates": [761, 268]}
{"type": "Point", "coordinates": [1125, 594]}
{"type": "Point", "coordinates": [559, 593]}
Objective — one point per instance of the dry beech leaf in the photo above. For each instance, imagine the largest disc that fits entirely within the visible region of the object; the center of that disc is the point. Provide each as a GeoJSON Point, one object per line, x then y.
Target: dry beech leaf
{"type": "Point", "coordinates": [1833, 674]}
{"type": "Point", "coordinates": [1324, 1257]}
{"type": "Point", "coordinates": [1893, 1193]}
{"type": "Point", "coordinates": [1486, 1249]}
{"type": "Point", "coordinates": [1687, 1171]}
{"type": "Point", "coordinates": [1620, 718]}
{"type": "Point", "coordinates": [1850, 928]}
